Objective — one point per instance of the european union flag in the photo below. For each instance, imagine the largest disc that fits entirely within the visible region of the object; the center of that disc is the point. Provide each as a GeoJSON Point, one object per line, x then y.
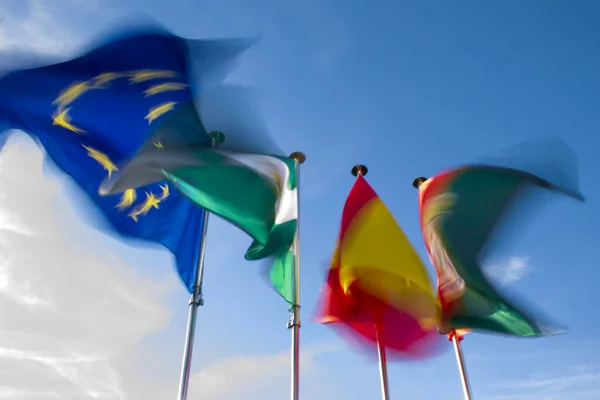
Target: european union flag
{"type": "Point", "coordinates": [94, 112]}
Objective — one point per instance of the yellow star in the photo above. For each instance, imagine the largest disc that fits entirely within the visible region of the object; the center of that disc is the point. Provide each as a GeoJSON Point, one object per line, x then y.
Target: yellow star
{"type": "Point", "coordinates": [146, 75]}
{"type": "Point", "coordinates": [100, 81]}
{"type": "Point", "coordinates": [165, 192]}
{"type": "Point", "coordinates": [160, 110]}
{"type": "Point", "coordinates": [102, 159]}
{"type": "Point", "coordinates": [63, 120]}
{"type": "Point", "coordinates": [127, 199]}
{"type": "Point", "coordinates": [71, 93]}
{"type": "Point", "coordinates": [158, 145]}
{"type": "Point", "coordinates": [150, 202]}
{"type": "Point", "coordinates": [164, 87]}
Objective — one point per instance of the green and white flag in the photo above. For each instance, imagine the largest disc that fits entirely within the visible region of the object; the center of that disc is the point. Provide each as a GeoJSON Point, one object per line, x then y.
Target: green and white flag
{"type": "Point", "coordinates": [255, 192]}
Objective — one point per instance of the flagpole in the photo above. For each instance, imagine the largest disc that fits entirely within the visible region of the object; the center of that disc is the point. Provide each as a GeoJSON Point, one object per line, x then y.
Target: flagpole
{"type": "Point", "coordinates": [294, 322]}
{"type": "Point", "coordinates": [461, 364]}
{"type": "Point", "coordinates": [385, 389]}
{"type": "Point", "coordinates": [362, 170]}
{"type": "Point", "coordinates": [196, 299]}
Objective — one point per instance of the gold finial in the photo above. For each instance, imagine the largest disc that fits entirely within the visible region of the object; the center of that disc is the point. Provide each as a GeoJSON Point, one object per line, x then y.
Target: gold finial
{"type": "Point", "coordinates": [360, 169]}
{"type": "Point", "coordinates": [418, 181]}
{"type": "Point", "coordinates": [298, 156]}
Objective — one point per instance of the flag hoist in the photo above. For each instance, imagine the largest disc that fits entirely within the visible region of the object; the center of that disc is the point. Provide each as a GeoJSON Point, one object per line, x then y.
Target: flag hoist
{"type": "Point", "coordinates": [362, 170]}
{"type": "Point", "coordinates": [294, 322]}
{"type": "Point", "coordinates": [196, 298]}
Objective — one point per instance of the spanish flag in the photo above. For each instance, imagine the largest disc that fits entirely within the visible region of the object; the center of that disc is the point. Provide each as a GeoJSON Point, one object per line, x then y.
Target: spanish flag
{"type": "Point", "coordinates": [377, 285]}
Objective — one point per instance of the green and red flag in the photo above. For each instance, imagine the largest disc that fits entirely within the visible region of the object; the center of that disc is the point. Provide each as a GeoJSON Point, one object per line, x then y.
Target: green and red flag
{"type": "Point", "coordinates": [459, 210]}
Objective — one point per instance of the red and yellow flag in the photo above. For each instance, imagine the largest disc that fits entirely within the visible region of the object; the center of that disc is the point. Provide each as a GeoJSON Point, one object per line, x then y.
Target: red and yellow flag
{"type": "Point", "coordinates": [377, 285]}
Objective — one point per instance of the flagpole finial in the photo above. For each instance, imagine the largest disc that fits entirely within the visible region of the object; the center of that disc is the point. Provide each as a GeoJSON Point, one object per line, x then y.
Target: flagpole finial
{"type": "Point", "coordinates": [298, 156]}
{"type": "Point", "coordinates": [360, 169]}
{"type": "Point", "coordinates": [218, 137]}
{"type": "Point", "coordinates": [417, 182]}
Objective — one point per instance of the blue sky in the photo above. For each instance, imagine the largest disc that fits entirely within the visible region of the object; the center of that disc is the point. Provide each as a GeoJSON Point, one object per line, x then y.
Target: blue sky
{"type": "Point", "coordinates": [407, 88]}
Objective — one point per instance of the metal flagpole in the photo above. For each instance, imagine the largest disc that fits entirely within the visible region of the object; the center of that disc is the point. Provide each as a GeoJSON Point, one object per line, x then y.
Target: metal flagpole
{"type": "Point", "coordinates": [196, 298]}
{"type": "Point", "coordinates": [452, 335]}
{"type": "Point", "coordinates": [461, 364]}
{"type": "Point", "coordinates": [294, 322]}
{"type": "Point", "coordinates": [362, 170]}
{"type": "Point", "coordinates": [385, 389]}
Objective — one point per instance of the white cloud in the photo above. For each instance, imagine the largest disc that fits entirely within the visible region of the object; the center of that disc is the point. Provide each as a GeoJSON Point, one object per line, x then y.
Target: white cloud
{"type": "Point", "coordinates": [28, 29]}
{"type": "Point", "coordinates": [511, 271]}
{"type": "Point", "coordinates": [231, 376]}
{"type": "Point", "coordinates": [71, 314]}
{"type": "Point", "coordinates": [33, 29]}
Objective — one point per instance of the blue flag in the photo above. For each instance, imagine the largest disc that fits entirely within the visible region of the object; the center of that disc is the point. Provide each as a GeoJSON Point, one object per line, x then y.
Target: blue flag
{"type": "Point", "coordinates": [96, 111]}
